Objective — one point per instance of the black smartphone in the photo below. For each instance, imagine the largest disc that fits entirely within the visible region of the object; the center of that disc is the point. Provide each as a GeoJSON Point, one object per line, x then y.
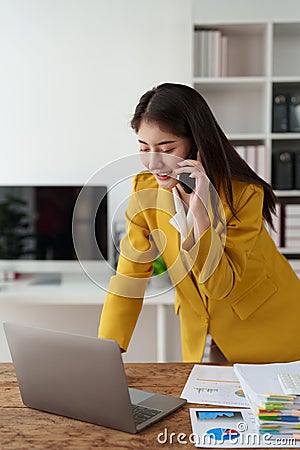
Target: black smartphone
{"type": "Point", "coordinates": [186, 182]}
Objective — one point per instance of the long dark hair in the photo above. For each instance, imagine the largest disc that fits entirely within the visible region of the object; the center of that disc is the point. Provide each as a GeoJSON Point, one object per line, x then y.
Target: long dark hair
{"type": "Point", "coordinates": [183, 111]}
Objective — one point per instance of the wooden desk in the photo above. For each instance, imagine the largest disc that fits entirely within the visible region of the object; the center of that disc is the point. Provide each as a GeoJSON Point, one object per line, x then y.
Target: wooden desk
{"type": "Point", "coordinates": [25, 428]}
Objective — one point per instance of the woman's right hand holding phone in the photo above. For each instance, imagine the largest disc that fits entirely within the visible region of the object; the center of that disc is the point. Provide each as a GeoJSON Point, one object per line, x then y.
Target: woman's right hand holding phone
{"type": "Point", "coordinates": [198, 199]}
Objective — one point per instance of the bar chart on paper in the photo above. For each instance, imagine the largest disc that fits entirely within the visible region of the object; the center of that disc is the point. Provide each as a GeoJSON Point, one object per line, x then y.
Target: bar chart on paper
{"type": "Point", "coordinates": [214, 385]}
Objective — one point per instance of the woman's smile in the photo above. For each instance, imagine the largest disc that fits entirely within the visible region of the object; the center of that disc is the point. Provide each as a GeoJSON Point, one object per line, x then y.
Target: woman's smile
{"type": "Point", "coordinates": [163, 175]}
{"type": "Point", "coordinates": [161, 151]}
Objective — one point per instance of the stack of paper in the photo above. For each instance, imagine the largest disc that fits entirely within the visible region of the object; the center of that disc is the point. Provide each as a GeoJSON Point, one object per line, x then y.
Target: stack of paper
{"type": "Point", "coordinates": [276, 412]}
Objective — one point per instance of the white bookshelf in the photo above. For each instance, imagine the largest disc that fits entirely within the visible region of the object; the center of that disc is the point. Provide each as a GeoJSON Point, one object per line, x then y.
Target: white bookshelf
{"type": "Point", "coordinates": [262, 57]}
{"type": "Point", "coordinates": [288, 193]}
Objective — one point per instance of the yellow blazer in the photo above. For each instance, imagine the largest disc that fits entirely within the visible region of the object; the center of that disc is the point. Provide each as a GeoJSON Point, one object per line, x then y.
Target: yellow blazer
{"type": "Point", "coordinates": [245, 295]}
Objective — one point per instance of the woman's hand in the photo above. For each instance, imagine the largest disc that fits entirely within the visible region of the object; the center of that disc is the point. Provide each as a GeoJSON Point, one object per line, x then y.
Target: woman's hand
{"type": "Point", "coordinates": [198, 199]}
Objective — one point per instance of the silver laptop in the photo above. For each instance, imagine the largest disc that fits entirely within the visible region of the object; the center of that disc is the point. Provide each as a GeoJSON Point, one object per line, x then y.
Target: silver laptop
{"type": "Point", "coordinates": [81, 377]}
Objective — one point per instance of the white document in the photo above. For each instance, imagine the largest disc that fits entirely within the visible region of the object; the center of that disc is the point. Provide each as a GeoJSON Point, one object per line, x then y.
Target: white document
{"type": "Point", "coordinates": [261, 380]}
{"type": "Point", "coordinates": [232, 428]}
{"type": "Point", "coordinates": [214, 385]}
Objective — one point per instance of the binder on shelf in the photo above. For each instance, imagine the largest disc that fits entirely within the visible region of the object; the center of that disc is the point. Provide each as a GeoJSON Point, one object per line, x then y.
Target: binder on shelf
{"type": "Point", "coordinates": [282, 169]}
{"type": "Point", "coordinates": [297, 169]}
{"type": "Point", "coordinates": [280, 113]}
{"type": "Point", "coordinates": [294, 113]}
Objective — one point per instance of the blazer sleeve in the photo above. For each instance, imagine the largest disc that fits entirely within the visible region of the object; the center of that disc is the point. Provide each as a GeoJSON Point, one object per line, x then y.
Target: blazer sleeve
{"type": "Point", "coordinates": [219, 266]}
{"type": "Point", "coordinates": [126, 289]}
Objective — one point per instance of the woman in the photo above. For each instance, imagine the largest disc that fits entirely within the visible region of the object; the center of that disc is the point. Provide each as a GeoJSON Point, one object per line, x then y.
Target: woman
{"type": "Point", "coordinates": [229, 278]}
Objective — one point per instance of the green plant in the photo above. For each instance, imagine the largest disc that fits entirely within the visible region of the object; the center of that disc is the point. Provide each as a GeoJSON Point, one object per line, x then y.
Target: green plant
{"type": "Point", "coordinates": [13, 228]}
{"type": "Point", "coordinates": [159, 266]}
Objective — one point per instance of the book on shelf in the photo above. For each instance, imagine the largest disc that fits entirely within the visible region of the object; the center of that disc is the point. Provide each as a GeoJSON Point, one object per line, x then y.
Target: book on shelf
{"type": "Point", "coordinates": [210, 53]}
{"type": "Point", "coordinates": [275, 232]}
{"type": "Point", "coordinates": [251, 157]}
{"type": "Point", "coordinates": [224, 56]}
{"type": "Point", "coordinates": [201, 49]}
{"type": "Point", "coordinates": [214, 53]}
{"type": "Point", "coordinates": [292, 226]}
{"type": "Point", "coordinates": [204, 51]}
{"type": "Point", "coordinates": [256, 157]}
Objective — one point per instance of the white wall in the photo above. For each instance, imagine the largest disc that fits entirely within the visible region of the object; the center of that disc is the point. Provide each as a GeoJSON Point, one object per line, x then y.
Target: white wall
{"type": "Point", "coordinates": [71, 74]}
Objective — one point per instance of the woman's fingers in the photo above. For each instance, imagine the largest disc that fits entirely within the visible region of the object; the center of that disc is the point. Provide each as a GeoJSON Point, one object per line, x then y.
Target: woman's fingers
{"type": "Point", "coordinates": [190, 162]}
{"type": "Point", "coordinates": [194, 171]}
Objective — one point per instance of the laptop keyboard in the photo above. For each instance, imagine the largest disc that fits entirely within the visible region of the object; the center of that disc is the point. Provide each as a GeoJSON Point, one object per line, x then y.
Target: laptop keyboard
{"type": "Point", "coordinates": [141, 414]}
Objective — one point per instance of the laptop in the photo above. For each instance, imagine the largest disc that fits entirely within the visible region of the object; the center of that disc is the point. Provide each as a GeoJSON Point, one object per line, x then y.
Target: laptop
{"type": "Point", "coordinates": [81, 377]}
